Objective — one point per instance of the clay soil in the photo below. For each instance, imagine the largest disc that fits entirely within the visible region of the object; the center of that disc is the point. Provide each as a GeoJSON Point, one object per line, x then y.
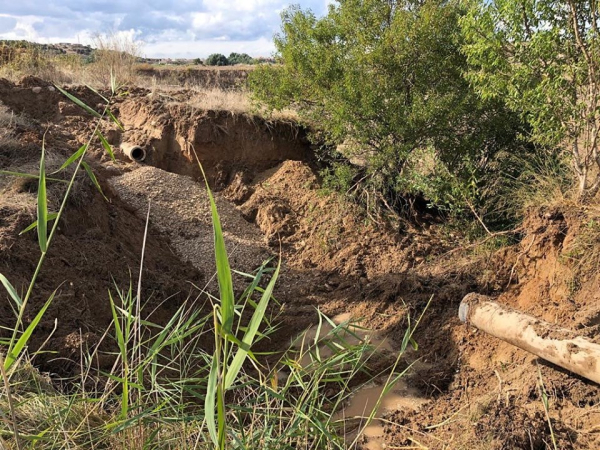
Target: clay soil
{"type": "Point", "coordinates": [477, 392]}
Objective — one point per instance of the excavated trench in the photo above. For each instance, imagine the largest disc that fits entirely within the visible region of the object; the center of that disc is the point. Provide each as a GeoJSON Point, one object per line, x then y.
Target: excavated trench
{"type": "Point", "coordinates": [173, 138]}
{"type": "Point", "coordinates": [238, 154]}
{"type": "Point", "coordinates": [466, 390]}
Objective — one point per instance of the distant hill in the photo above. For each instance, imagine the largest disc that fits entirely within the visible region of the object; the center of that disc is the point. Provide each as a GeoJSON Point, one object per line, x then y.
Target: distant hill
{"type": "Point", "coordinates": [57, 49]}
{"type": "Point", "coordinates": [86, 51]}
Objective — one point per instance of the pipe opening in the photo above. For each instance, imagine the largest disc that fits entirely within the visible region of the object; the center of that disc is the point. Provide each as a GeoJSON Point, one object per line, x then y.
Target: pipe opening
{"type": "Point", "coordinates": [134, 152]}
{"type": "Point", "coordinates": [138, 154]}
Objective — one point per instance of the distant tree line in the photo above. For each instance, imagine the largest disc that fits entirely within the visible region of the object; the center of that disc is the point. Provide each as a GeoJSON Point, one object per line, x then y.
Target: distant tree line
{"type": "Point", "coordinates": [218, 59]}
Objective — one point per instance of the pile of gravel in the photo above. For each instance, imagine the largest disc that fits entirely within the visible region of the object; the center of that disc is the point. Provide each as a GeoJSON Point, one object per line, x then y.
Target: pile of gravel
{"type": "Point", "coordinates": [180, 210]}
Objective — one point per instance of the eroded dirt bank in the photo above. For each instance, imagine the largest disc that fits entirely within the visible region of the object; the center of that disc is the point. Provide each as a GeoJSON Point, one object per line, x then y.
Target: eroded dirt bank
{"type": "Point", "coordinates": [479, 393]}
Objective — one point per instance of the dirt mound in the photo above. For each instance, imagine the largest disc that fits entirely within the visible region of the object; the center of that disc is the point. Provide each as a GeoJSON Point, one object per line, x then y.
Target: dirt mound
{"type": "Point", "coordinates": [479, 383]}
{"type": "Point", "coordinates": [495, 400]}
{"type": "Point", "coordinates": [98, 247]}
{"type": "Point", "coordinates": [180, 210]}
{"type": "Point", "coordinates": [41, 101]}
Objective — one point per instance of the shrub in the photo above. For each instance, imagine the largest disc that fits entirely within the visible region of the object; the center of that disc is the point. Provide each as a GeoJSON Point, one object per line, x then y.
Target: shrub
{"type": "Point", "coordinates": [217, 59]}
{"type": "Point", "coordinates": [541, 58]}
{"type": "Point", "coordinates": [240, 58]}
{"type": "Point", "coordinates": [385, 79]}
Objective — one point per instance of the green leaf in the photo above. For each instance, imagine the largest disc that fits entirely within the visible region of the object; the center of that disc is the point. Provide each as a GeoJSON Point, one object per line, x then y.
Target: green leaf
{"type": "Point", "coordinates": [29, 175]}
{"type": "Point", "coordinates": [250, 334]}
{"type": "Point", "coordinates": [51, 216]}
{"type": "Point", "coordinates": [114, 119]}
{"type": "Point", "coordinates": [106, 145]}
{"type": "Point", "coordinates": [121, 342]}
{"type": "Point", "coordinates": [210, 401]}
{"type": "Point", "coordinates": [15, 351]}
{"type": "Point", "coordinates": [96, 92]}
{"type": "Point", "coordinates": [42, 205]}
{"type": "Point", "coordinates": [118, 330]}
{"type": "Point", "coordinates": [12, 292]}
{"type": "Point", "coordinates": [223, 268]}
{"type": "Point", "coordinates": [88, 169]}
{"type": "Point", "coordinates": [74, 157]}
{"type": "Point", "coordinates": [79, 103]}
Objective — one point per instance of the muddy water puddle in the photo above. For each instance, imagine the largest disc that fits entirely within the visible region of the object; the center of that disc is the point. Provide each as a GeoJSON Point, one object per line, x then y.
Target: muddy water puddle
{"type": "Point", "coordinates": [372, 395]}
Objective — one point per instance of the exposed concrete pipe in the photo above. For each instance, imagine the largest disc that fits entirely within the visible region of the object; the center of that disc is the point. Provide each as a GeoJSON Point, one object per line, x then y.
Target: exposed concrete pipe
{"type": "Point", "coordinates": [133, 152]}
{"type": "Point", "coordinates": [557, 345]}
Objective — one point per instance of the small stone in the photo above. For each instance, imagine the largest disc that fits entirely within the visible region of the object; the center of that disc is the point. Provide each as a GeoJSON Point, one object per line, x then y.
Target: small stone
{"type": "Point", "coordinates": [36, 90]}
{"type": "Point", "coordinates": [51, 88]}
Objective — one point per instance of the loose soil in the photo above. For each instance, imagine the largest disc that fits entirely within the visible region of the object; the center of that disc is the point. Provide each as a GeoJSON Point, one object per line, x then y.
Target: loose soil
{"type": "Point", "coordinates": [466, 390]}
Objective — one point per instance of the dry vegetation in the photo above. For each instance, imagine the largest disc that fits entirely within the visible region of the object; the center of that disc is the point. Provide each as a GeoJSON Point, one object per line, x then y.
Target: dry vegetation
{"type": "Point", "coordinates": [211, 88]}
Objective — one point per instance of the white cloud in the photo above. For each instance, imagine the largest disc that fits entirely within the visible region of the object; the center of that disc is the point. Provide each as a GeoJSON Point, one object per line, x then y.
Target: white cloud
{"type": "Point", "coordinates": [186, 28]}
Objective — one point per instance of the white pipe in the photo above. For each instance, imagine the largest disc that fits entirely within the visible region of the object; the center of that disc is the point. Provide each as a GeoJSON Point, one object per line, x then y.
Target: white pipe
{"type": "Point", "coordinates": [557, 345]}
{"type": "Point", "coordinates": [133, 152]}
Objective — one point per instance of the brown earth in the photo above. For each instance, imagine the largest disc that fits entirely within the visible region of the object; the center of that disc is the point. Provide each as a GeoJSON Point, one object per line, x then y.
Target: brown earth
{"type": "Point", "coordinates": [482, 393]}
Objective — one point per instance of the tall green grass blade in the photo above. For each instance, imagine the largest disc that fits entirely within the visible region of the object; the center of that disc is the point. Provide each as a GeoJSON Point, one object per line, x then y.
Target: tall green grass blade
{"type": "Point", "coordinates": [42, 205]}
{"type": "Point", "coordinates": [210, 402]}
{"type": "Point", "coordinates": [118, 329]}
{"type": "Point", "coordinates": [74, 157]}
{"type": "Point", "coordinates": [79, 103]}
{"type": "Point", "coordinates": [97, 93]}
{"type": "Point", "coordinates": [106, 145]}
{"type": "Point", "coordinates": [121, 342]}
{"type": "Point", "coordinates": [12, 292]}
{"type": "Point", "coordinates": [222, 426]}
{"type": "Point", "coordinates": [223, 268]}
{"type": "Point", "coordinates": [29, 175]}
{"type": "Point", "coordinates": [114, 119]}
{"type": "Point", "coordinates": [250, 334]}
{"type": "Point", "coordinates": [90, 173]}
{"type": "Point", "coordinates": [51, 216]}
{"type": "Point", "coordinates": [15, 351]}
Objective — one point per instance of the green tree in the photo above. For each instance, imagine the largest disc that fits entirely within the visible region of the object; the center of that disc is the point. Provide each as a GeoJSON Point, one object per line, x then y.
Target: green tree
{"type": "Point", "coordinates": [217, 59]}
{"type": "Point", "coordinates": [542, 58]}
{"type": "Point", "coordinates": [385, 79]}
{"type": "Point", "coordinates": [240, 58]}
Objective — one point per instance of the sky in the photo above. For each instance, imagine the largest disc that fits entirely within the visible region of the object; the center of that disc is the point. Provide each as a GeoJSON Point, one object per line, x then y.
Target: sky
{"type": "Point", "coordinates": [166, 28]}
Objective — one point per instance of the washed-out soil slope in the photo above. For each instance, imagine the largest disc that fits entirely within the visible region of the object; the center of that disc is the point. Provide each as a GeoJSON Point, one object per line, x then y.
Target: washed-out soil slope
{"type": "Point", "coordinates": [483, 393]}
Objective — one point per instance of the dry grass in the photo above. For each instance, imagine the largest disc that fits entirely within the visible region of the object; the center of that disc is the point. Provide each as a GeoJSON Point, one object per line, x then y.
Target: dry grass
{"type": "Point", "coordinates": [8, 121]}
{"type": "Point", "coordinates": [216, 99]}
{"type": "Point", "coordinates": [236, 102]}
{"type": "Point", "coordinates": [31, 60]}
{"type": "Point", "coordinates": [114, 54]}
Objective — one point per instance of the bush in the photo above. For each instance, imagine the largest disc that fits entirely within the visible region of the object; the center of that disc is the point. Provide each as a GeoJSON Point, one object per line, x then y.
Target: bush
{"type": "Point", "coordinates": [240, 58]}
{"type": "Point", "coordinates": [217, 59]}
{"type": "Point", "coordinates": [384, 81]}
{"type": "Point", "coordinates": [541, 58]}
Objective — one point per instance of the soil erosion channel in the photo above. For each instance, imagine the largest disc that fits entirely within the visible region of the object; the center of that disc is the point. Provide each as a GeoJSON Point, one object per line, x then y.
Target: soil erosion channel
{"type": "Point", "coordinates": [179, 210]}
{"type": "Point", "coordinates": [462, 389]}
